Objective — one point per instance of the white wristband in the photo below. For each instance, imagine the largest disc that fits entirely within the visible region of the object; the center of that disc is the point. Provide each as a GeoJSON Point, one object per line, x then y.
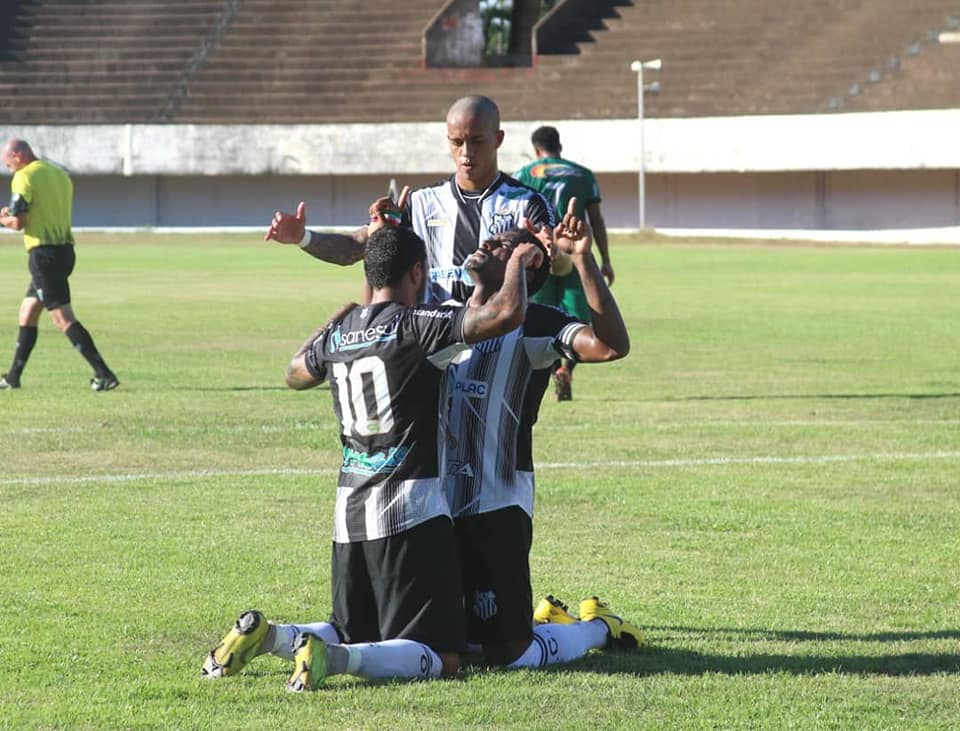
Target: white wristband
{"type": "Point", "coordinates": [305, 241]}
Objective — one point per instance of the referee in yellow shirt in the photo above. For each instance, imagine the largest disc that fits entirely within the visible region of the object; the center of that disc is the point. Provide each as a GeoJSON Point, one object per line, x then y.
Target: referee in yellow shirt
{"type": "Point", "coordinates": [41, 205]}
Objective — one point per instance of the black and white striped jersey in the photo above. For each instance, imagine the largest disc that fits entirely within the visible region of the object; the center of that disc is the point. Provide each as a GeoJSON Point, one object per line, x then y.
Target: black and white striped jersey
{"type": "Point", "coordinates": [453, 225]}
{"type": "Point", "coordinates": [492, 392]}
{"type": "Point", "coordinates": [385, 363]}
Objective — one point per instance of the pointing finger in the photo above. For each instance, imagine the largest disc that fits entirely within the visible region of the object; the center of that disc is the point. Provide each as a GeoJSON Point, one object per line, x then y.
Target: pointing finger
{"type": "Point", "coordinates": [402, 200]}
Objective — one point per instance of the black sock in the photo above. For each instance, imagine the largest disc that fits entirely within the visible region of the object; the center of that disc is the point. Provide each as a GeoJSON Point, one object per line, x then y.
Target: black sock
{"type": "Point", "coordinates": [569, 365]}
{"type": "Point", "coordinates": [26, 339]}
{"type": "Point", "coordinates": [82, 342]}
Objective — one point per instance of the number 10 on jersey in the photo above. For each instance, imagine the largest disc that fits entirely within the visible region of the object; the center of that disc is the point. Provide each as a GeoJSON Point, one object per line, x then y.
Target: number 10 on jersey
{"type": "Point", "coordinates": [361, 384]}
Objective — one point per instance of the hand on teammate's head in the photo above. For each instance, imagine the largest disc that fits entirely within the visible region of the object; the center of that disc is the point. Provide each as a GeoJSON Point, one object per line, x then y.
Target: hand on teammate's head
{"type": "Point", "coordinates": [385, 212]}
{"type": "Point", "coordinates": [530, 254]}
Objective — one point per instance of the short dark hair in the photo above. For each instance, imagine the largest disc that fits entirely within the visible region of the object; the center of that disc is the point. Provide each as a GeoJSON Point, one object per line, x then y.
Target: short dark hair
{"type": "Point", "coordinates": [516, 236]}
{"type": "Point", "coordinates": [390, 254]}
{"type": "Point", "coordinates": [546, 139]}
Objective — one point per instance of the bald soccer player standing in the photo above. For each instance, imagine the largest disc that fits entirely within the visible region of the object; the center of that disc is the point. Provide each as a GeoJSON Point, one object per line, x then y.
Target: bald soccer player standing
{"type": "Point", "coordinates": [453, 216]}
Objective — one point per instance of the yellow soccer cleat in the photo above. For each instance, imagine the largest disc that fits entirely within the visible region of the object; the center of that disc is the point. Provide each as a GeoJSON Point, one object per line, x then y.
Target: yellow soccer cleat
{"type": "Point", "coordinates": [551, 610]}
{"type": "Point", "coordinates": [242, 643]}
{"type": "Point", "coordinates": [311, 663]}
{"type": "Point", "coordinates": [623, 635]}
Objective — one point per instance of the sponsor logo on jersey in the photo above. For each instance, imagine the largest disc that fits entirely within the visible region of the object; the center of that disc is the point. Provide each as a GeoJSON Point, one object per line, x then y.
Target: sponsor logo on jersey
{"type": "Point", "coordinates": [437, 222]}
{"type": "Point", "coordinates": [362, 463]}
{"type": "Point", "coordinates": [471, 389]}
{"type": "Point", "coordinates": [342, 340]}
{"type": "Point", "coordinates": [445, 314]}
{"type": "Point", "coordinates": [553, 170]}
{"type": "Point", "coordinates": [464, 470]}
{"type": "Point", "coordinates": [484, 605]}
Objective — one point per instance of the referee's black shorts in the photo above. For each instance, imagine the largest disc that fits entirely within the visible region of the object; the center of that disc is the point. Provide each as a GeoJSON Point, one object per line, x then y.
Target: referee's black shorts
{"type": "Point", "coordinates": [50, 267]}
{"type": "Point", "coordinates": [405, 586]}
{"type": "Point", "coordinates": [495, 565]}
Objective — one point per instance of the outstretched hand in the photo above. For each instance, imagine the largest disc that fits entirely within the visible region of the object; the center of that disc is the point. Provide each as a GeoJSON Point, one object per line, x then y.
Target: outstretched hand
{"type": "Point", "coordinates": [287, 228]}
{"type": "Point", "coordinates": [385, 212]}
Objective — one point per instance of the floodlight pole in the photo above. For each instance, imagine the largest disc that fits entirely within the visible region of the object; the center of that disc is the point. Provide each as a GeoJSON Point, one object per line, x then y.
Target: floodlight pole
{"type": "Point", "coordinates": [638, 67]}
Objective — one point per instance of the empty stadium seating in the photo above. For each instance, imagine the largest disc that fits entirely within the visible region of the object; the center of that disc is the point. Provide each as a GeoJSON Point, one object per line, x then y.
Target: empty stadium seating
{"type": "Point", "coordinates": [306, 61]}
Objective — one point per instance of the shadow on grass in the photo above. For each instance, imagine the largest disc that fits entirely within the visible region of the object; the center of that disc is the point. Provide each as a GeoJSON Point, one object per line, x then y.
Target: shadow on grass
{"type": "Point", "coordinates": [804, 635]}
{"type": "Point", "coordinates": [663, 661]}
{"type": "Point", "coordinates": [818, 396]}
{"type": "Point", "coordinates": [227, 389]}
{"type": "Point", "coordinates": [658, 660]}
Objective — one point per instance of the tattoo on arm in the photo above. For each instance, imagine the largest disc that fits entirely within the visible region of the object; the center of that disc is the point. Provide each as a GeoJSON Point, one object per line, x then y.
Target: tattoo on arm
{"type": "Point", "coordinates": [339, 249]}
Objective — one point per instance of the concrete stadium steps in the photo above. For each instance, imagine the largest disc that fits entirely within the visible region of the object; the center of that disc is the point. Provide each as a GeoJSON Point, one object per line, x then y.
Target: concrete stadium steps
{"type": "Point", "coordinates": [98, 62]}
{"type": "Point", "coordinates": [329, 61]}
{"type": "Point", "coordinates": [924, 79]}
{"type": "Point", "coordinates": [314, 57]}
{"type": "Point", "coordinates": [748, 57]}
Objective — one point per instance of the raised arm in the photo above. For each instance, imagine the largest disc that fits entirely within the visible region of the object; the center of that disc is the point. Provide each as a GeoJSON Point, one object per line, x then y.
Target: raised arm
{"type": "Point", "coordinates": [505, 310]}
{"type": "Point", "coordinates": [607, 337]}
{"type": "Point", "coordinates": [599, 227]}
{"type": "Point", "coordinates": [342, 249]}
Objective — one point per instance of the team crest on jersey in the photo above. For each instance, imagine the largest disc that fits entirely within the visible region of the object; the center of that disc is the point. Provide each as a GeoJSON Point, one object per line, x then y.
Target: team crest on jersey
{"type": "Point", "coordinates": [484, 605]}
{"type": "Point", "coordinates": [502, 220]}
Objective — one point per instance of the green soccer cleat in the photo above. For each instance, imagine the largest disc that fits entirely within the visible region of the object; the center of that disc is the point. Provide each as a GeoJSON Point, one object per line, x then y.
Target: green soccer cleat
{"type": "Point", "coordinates": [623, 635]}
{"type": "Point", "coordinates": [242, 643]}
{"type": "Point", "coordinates": [551, 610]}
{"type": "Point", "coordinates": [311, 663]}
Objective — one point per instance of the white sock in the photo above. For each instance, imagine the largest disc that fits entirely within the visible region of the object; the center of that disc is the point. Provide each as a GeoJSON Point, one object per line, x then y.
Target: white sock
{"type": "Point", "coordinates": [389, 659]}
{"type": "Point", "coordinates": [558, 643]}
{"type": "Point", "coordinates": [285, 634]}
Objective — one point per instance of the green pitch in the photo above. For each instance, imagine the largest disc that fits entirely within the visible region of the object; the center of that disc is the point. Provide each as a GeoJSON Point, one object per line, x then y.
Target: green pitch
{"type": "Point", "coordinates": [768, 484]}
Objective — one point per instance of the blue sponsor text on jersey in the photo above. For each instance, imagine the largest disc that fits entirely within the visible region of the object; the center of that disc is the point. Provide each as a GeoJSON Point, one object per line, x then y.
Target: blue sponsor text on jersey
{"type": "Point", "coordinates": [372, 464]}
{"type": "Point", "coordinates": [356, 339]}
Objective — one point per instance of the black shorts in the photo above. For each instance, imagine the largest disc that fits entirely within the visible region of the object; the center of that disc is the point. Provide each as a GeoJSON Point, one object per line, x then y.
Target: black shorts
{"type": "Point", "coordinates": [50, 266]}
{"type": "Point", "coordinates": [401, 587]}
{"type": "Point", "coordinates": [495, 564]}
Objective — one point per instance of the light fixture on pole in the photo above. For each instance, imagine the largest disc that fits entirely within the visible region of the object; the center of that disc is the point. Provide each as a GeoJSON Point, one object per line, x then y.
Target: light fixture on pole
{"type": "Point", "coordinates": [638, 67]}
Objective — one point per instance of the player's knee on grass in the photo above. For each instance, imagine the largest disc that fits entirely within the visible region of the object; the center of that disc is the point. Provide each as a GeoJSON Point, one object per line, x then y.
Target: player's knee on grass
{"type": "Point", "coordinates": [450, 663]}
{"type": "Point", "coordinates": [504, 653]}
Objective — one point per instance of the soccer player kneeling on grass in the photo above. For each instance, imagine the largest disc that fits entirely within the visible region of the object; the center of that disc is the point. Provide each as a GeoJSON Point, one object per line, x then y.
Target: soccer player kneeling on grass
{"type": "Point", "coordinates": [396, 588]}
{"type": "Point", "coordinates": [492, 395]}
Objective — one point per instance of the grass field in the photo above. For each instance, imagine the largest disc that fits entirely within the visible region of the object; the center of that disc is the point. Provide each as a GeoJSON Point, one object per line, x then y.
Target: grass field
{"type": "Point", "coordinates": [768, 484]}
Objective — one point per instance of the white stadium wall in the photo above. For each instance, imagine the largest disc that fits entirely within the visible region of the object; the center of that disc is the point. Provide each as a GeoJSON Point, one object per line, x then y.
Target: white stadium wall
{"type": "Point", "coordinates": [839, 171]}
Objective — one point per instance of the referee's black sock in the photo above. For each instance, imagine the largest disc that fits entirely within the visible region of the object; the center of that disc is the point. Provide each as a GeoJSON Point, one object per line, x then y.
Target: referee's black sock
{"type": "Point", "coordinates": [26, 339]}
{"type": "Point", "coordinates": [82, 342]}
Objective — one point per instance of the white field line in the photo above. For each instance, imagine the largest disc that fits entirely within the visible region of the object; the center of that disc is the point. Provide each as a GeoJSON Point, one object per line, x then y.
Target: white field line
{"type": "Point", "coordinates": [569, 426]}
{"type": "Point", "coordinates": [626, 464]}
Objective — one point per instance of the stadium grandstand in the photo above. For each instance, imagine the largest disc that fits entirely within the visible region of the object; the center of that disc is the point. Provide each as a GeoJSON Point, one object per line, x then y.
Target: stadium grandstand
{"type": "Point", "coordinates": [76, 63]}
